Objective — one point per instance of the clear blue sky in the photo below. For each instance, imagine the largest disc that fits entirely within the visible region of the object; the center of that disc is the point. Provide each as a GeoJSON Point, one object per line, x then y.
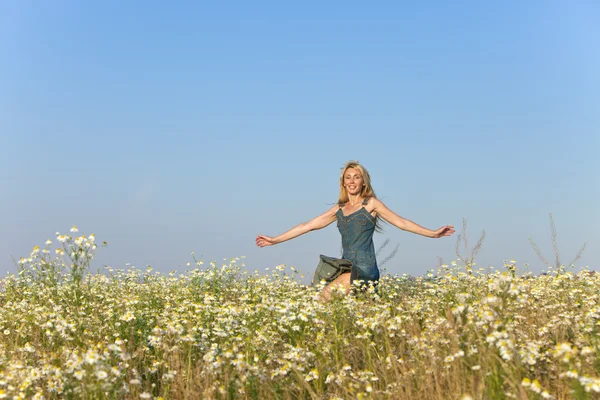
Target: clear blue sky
{"type": "Point", "coordinates": [172, 128]}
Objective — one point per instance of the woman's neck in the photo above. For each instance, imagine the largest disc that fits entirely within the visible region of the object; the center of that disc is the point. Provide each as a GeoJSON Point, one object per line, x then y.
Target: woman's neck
{"type": "Point", "coordinates": [354, 199]}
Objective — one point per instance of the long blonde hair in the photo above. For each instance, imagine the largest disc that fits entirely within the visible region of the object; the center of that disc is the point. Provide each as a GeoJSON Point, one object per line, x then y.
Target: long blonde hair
{"type": "Point", "coordinates": [367, 189]}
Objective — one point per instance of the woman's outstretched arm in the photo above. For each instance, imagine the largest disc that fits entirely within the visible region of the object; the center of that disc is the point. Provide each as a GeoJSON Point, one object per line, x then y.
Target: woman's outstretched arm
{"type": "Point", "coordinates": [316, 223]}
{"type": "Point", "coordinates": [407, 225]}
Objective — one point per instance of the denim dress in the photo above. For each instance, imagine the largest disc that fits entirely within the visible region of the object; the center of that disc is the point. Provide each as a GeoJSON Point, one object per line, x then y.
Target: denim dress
{"type": "Point", "coordinates": [357, 243]}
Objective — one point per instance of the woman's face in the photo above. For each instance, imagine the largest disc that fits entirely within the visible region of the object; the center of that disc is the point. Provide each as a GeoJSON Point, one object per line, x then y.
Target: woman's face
{"type": "Point", "coordinates": [353, 181]}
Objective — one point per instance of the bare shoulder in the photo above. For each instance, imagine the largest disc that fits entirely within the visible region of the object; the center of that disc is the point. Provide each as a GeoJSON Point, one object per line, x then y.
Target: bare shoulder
{"type": "Point", "coordinates": [321, 221]}
{"type": "Point", "coordinates": [330, 214]}
{"type": "Point", "coordinates": [333, 209]}
{"type": "Point", "coordinates": [373, 205]}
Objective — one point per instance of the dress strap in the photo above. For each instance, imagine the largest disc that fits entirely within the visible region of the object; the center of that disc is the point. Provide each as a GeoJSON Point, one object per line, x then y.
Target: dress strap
{"type": "Point", "coordinates": [366, 201]}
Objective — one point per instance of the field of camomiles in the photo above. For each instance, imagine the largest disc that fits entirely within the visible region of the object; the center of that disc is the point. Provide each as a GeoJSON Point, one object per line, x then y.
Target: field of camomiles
{"type": "Point", "coordinates": [220, 332]}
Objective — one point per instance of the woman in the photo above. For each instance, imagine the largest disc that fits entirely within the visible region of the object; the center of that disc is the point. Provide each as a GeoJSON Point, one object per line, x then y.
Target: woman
{"type": "Point", "coordinates": [357, 214]}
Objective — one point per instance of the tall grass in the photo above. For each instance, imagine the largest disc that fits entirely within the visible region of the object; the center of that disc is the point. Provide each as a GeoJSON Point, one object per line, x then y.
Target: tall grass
{"type": "Point", "coordinates": [221, 332]}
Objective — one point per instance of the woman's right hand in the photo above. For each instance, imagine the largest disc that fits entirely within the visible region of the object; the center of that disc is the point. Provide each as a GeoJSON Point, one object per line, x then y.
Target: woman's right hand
{"type": "Point", "coordinates": [262, 241]}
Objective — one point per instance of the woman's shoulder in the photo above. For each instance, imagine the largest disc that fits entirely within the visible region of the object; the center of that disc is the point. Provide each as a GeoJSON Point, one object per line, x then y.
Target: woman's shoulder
{"type": "Point", "coordinates": [372, 203]}
{"type": "Point", "coordinates": [373, 200]}
{"type": "Point", "coordinates": [336, 207]}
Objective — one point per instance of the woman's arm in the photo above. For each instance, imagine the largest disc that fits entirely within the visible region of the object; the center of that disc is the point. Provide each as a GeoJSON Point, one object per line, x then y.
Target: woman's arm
{"type": "Point", "coordinates": [316, 223]}
{"type": "Point", "coordinates": [407, 225]}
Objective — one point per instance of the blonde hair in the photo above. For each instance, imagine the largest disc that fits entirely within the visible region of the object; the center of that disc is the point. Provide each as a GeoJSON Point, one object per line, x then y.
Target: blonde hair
{"type": "Point", "coordinates": [367, 189]}
{"type": "Point", "coordinates": [366, 192]}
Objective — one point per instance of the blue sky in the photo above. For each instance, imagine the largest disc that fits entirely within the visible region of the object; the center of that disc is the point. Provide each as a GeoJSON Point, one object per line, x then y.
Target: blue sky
{"type": "Point", "coordinates": [171, 128]}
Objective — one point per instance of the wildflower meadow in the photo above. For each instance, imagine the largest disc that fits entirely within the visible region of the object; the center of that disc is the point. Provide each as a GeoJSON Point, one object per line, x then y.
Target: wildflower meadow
{"type": "Point", "coordinates": [219, 331]}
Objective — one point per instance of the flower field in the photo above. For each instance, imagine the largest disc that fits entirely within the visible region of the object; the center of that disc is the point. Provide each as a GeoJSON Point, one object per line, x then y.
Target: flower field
{"type": "Point", "coordinates": [221, 332]}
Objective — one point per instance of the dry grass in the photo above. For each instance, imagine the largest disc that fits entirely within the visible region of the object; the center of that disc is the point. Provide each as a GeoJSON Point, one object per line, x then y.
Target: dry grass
{"type": "Point", "coordinates": [557, 264]}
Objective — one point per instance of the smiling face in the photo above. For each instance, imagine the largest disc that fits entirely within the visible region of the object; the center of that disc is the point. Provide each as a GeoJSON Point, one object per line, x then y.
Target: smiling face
{"type": "Point", "coordinates": [353, 181]}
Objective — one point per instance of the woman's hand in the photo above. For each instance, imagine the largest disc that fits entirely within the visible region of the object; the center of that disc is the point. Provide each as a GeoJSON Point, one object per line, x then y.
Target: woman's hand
{"type": "Point", "coordinates": [445, 230]}
{"type": "Point", "coordinates": [262, 241]}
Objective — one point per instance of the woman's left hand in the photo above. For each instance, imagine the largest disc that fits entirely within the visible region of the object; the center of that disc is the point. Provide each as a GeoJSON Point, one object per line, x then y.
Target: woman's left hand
{"type": "Point", "coordinates": [445, 230]}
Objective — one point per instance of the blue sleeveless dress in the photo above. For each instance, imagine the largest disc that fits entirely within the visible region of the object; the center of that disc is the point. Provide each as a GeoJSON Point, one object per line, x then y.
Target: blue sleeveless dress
{"type": "Point", "coordinates": [357, 243]}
